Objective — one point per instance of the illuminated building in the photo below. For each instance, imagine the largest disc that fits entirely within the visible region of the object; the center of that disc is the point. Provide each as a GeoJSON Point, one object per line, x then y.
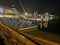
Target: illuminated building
{"type": "Point", "coordinates": [46, 20]}
{"type": "Point", "coordinates": [35, 14]}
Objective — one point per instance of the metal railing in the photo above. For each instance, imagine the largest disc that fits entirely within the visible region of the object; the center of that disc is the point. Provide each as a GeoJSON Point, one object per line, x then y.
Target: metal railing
{"type": "Point", "coordinates": [11, 37]}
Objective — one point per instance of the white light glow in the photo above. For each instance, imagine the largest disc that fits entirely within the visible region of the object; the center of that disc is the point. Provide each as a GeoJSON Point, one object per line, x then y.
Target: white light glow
{"type": "Point", "coordinates": [26, 13]}
{"type": "Point", "coordinates": [51, 15]}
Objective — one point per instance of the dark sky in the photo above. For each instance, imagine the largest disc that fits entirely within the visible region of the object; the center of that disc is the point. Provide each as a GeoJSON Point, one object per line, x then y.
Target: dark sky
{"type": "Point", "coordinates": [42, 5]}
{"type": "Point", "coordinates": [51, 6]}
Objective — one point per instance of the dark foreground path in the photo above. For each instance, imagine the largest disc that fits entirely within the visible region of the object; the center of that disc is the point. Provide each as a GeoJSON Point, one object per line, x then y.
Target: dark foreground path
{"type": "Point", "coordinates": [1, 41]}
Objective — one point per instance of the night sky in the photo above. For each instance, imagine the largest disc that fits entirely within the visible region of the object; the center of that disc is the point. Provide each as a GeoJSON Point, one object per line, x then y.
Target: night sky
{"type": "Point", "coordinates": [42, 6]}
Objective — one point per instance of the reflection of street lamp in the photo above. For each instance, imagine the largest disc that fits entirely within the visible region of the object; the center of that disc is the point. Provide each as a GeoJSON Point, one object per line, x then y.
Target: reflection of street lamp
{"type": "Point", "coordinates": [51, 17]}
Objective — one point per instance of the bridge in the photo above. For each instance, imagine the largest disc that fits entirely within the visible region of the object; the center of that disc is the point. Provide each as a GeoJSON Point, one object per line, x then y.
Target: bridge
{"type": "Point", "coordinates": [21, 31]}
{"type": "Point", "coordinates": [23, 36]}
{"type": "Point", "coordinates": [10, 37]}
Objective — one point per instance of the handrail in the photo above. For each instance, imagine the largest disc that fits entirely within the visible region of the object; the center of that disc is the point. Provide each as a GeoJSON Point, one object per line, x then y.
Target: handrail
{"type": "Point", "coordinates": [28, 28]}
{"type": "Point", "coordinates": [16, 36]}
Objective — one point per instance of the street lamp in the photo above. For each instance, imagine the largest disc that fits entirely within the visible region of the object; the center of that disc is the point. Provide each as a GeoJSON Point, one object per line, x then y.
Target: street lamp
{"type": "Point", "coordinates": [26, 13]}
{"type": "Point", "coordinates": [51, 17]}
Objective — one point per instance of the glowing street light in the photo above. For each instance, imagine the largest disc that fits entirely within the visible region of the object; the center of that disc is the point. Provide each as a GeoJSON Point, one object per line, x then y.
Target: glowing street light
{"type": "Point", "coordinates": [26, 13]}
{"type": "Point", "coordinates": [13, 5]}
{"type": "Point", "coordinates": [51, 17]}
